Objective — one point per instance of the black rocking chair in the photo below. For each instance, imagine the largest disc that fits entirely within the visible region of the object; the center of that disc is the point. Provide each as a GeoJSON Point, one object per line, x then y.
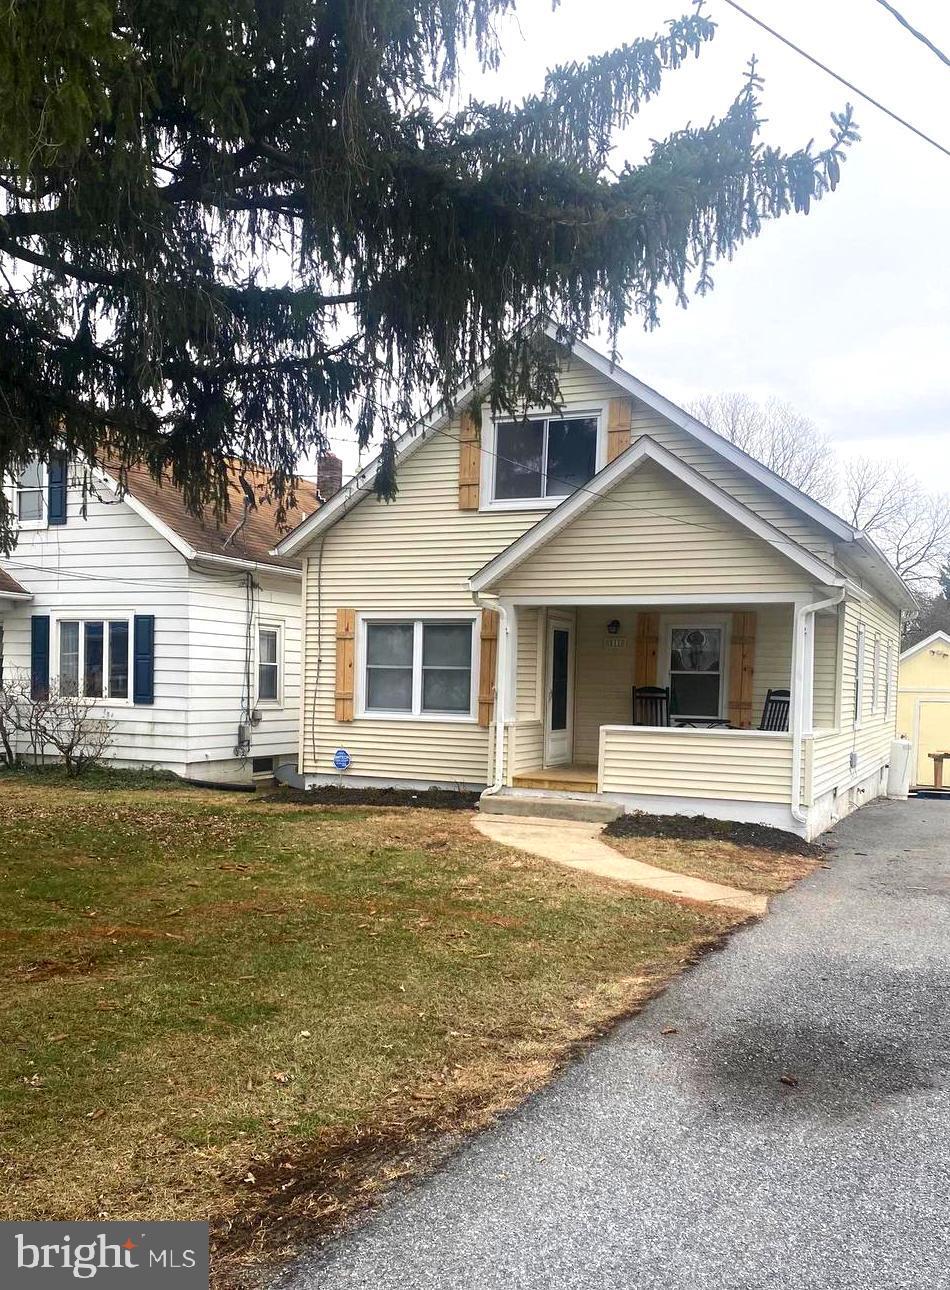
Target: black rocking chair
{"type": "Point", "coordinates": [775, 710]}
{"type": "Point", "coordinates": [651, 705]}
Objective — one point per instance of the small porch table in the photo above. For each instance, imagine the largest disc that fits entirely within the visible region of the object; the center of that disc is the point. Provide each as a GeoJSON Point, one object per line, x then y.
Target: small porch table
{"type": "Point", "coordinates": [937, 759]}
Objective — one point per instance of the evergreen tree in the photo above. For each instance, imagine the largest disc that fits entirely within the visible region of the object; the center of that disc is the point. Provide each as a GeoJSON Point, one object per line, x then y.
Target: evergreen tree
{"type": "Point", "coordinates": [160, 161]}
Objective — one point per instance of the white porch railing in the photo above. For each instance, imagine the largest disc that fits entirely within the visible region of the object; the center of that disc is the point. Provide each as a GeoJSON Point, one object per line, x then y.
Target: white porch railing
{"type": "Point", "coordinates": [665, 761]}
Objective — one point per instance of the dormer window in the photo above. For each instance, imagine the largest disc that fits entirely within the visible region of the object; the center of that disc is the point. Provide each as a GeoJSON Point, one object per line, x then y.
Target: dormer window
{"type": "Point", "coordinates": [30, 499]}
{"type": "Point", "coordinates": [39, 493]}
{"type": "Point", "coordinates": [543, 457]}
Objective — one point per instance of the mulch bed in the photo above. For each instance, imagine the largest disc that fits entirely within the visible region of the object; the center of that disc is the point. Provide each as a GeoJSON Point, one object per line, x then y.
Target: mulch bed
{"type": "Point", "coordinates": [433, 799]}
{"type": "Point", "coordinates": [697, 828]}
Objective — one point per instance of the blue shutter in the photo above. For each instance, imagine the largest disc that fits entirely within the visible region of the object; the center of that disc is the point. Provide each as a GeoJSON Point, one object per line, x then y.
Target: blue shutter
{"type": "Point", "coordinates": [56, 475]}
{"type": "Point", "coordinates": [143, 659]}
{"type": "Point", "coordinates": [39, 656]}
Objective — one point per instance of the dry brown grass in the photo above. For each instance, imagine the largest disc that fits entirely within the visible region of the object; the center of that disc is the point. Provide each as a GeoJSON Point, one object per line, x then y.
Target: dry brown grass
{"type": "Point", "coordinates": [258, 1013]}
{"type": "Point", "coordinates": [749, 868]}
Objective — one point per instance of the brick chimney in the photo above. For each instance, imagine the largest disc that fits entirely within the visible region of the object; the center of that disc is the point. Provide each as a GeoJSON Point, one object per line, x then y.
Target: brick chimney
{"type": "Point", "coordinates": [329, 476]}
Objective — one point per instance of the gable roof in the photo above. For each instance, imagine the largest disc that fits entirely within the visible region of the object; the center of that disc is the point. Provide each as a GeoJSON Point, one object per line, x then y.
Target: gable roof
{"type": "Point", "coordinates": [10, 588]}
{"type": "Point", "coordinates": [646, 449]}
{"type": "Point", "coordinates": [943, 637]}
{"type": "Point", "coordinates": [251, 543]}
{"type": "Point", "coordinates": [884, 576]}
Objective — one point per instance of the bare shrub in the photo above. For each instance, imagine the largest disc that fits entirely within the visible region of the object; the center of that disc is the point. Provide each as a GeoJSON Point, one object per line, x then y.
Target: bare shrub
{"type": "Point", "coordinates": [66, 725]}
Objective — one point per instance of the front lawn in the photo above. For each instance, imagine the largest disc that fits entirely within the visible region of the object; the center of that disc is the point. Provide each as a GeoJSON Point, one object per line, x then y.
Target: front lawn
{"type": "Point", "coordinates": [248, 1010]}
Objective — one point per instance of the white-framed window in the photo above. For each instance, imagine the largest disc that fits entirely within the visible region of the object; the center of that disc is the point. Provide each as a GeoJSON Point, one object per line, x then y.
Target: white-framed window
{"type": "Point", "coordinates": [418, 667]}
{"type": "Point", "coordinates": [859, 653]}
{"type": "Point", "coordinates": [92, 657]}
{"type": "Point", "coordinates": [887, 677]}
{"type": "Point", "coordinates": [29, 495]}
{"type": "Point", "coordinates": [537, 461]}
{"type": "Point", "coordinates": [269, 663]}
{"type": "Point", "coordinates": [694, 667]}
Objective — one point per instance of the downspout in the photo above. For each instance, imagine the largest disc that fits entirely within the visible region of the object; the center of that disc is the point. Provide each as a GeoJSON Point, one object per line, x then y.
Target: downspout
{"type": "Point", "coordinates": [501, 688]}
{"type": "Point", "coordinates": [798, 815]}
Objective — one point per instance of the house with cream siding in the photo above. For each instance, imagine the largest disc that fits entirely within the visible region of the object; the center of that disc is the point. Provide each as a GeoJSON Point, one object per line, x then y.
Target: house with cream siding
{"type": "Point", "coordinates": [183, 633]}
{"type": "Point", "coordinates": [923, 709]}
{"type": "Point", "coordinates": [489, 627]}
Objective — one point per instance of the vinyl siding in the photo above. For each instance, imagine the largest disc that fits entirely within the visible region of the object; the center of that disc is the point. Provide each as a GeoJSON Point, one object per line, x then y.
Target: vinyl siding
{"type": "Point", "coordinates": [218, 608]}
{"type": "Point", "coordinates": [416, 554]}
{"type": "Point", "coordinates": [825, 689]}
{"type": "Point", "coordinates": [604, 675]}
{"type": "Point", "coordinates": [718, 764]}
{"type": "Point", "coordinates": [110, 564]}
{"type": "Point", "coordinates": [923, 713]}
{"type": "Point", "coordinates": [870, 739]}
{"type": "Point", "coordinates": [113, 563]}
{"type": "Point", "coordinates": [656, 535]}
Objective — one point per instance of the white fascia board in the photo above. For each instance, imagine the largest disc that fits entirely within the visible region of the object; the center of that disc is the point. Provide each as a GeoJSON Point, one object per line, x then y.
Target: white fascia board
{"type": "Point", "coordinates": [647, 449]}
{"type": "Point", "coordinates": [16, 595]}
{"type": "Point", "coordinates": [185, 549]}
{"type": "Point", "coordinates": [930, 640]}
{"type": "Point", "coordinates": [171, 537]}
{"type": "Point", "coordinates": [681, 418]}
{"type": "Point", "coordinates": [890, 583]}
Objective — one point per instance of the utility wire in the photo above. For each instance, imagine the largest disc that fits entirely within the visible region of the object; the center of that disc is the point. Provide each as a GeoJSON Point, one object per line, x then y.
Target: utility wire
{"type": "Point", "coordinates": [869, 98]}
{"type": "Point", "coordinates": [914, 31]}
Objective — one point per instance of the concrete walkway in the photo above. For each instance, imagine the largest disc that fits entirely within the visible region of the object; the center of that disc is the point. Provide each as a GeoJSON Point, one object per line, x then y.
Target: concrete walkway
{"type": "Point", "coordinates": [578, 845]}
{"type": "Point", "coordinates": [673, 1156]}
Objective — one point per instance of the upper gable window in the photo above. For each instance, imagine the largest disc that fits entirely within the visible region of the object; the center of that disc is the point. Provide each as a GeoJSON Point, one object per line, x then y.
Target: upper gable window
{"type": "Point", "coordinates": [543, 457]}
{"type": "Point", "coordinates": [30, 494]}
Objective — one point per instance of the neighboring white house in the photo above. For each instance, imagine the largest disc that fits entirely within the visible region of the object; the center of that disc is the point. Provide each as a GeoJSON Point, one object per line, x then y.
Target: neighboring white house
{"type": "Point", "coordinates": [185, 632]}
{"type": "Point", "coordinates": [489, 625]}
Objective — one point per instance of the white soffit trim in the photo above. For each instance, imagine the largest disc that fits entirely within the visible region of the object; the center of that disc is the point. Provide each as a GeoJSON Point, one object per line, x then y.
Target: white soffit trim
{"type": "Point", "coordinates": [160, 527]}
{"type": "Point", "coordinates": [930, 640]}
{"type": "Point", "coordinates": [679, 417]}
{"type": "Point", "coordinates": [647, 449]}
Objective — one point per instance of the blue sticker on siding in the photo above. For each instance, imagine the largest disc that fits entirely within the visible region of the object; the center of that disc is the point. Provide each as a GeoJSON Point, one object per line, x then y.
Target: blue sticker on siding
{"type": "Point", "coordinates": [341, 759]}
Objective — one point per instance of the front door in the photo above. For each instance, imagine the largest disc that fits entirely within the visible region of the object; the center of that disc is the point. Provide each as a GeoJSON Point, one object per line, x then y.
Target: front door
{"type": "Point", "coordinates": [559, 711]}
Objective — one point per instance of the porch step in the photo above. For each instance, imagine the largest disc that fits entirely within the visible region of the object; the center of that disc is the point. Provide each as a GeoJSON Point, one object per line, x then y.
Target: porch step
{"type": "Point", "coordinates": [545, 807]}
{"type": "Point", "coordinates": [559, 779]}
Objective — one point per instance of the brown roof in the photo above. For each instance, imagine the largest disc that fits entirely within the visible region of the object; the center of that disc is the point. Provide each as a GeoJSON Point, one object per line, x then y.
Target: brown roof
{"type": "Point", "coordinates": [9, 586]}
{"type": "Point", "coordinates": [254, 539]}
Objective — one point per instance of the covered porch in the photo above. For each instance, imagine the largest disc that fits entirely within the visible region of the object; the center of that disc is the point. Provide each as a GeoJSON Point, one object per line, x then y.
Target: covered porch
{"type": "Point", "coordinates": [723, 670]}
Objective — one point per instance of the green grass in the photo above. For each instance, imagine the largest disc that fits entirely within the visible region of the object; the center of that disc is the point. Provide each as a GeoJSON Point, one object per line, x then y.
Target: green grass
{"type": "Point", "coordinates": [192, 984]}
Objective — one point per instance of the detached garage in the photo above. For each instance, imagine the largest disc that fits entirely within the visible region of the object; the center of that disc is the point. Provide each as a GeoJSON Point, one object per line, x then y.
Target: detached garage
{"type": "Point", "coordinates": [923, 709]}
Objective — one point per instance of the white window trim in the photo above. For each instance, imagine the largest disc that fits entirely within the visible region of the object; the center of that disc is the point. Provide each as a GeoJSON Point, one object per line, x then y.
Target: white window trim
{"type": "Point", "coordinates": [489, 438]}
{"type": "Point", "coordinates": [105, 617]}
{"type": "Point", "coordinates": [417, 619]}
{"type": "Point", "coordinates": [887, 677]}
{"type": "Point", "coordinates": [877, 688]}
{"type": "Point", "coordinates": [859, 664]}
{"type": "Point", "coordinates": [12, 490]}
{"type": "Point", "coordinates": [667, 624]}
{"type": "Point", "coordinates": [268, 626]}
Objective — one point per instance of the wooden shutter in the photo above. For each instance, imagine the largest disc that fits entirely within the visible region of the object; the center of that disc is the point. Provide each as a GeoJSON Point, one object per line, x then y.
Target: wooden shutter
{"type": "Point", "coordinates": [488, 659]}
{"type": "Point", "coordinates": [56, 490]}
{"type": "Point", "coordinates": [470, 465]}
{"type": "Point", "coordinates": [741, 663]}
{"type": "Point", "coordinates": [619, 426]}
{"type": "Point", "coordinates": [143, 658]}
{"type": "Point", "coordinates": [39, 656]}
{"type": "Point", "coordinates": [345, 663]}
{"type": "Point", "coordinates": [648, 639]}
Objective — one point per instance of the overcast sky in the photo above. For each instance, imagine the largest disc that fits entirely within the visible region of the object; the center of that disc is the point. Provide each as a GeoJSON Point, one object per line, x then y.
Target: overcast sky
{"type": "Point", "coordinates": [843, 312]}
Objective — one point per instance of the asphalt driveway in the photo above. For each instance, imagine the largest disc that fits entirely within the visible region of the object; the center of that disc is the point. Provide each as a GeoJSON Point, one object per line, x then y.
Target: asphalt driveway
{"type": "Point", "coordinates": [683, 1160]}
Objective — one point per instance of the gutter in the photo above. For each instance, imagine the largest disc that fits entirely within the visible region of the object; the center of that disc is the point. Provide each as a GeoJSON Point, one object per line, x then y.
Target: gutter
{"type": "Point", "coordinates": [501, 696]}
{"type": "Point", "coordinates": [798, 815]}
{"type": "Point", "coordinates": [253, 566]}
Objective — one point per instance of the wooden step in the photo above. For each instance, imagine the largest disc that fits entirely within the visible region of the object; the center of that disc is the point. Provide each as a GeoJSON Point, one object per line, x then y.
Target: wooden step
{"type": "Point", "coordinates": [559, 779]}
